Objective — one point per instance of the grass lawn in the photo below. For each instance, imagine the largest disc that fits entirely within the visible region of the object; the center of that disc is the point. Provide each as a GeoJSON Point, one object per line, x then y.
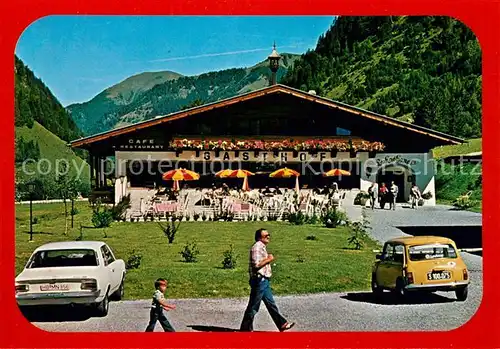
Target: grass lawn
{"type": "Point", "coordinates": [471, 146]}
{"type": "Point", "coordinates": [476, 208]}
{"type": "Point", "coordinates": [328, 263]}
{"type": "Point", "coordinates": [452, 183]}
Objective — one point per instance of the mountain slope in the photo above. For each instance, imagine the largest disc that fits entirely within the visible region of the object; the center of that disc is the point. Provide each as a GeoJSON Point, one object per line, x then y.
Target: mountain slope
{"type": "Point", "coordinates": [425, 70]}
{"type": "Point", "coordinates": [119, 105]}
{"type": "Point", "coordinates": [35, 102]}
{"type": "Point", "coordinates": [53, 149]}
{"type": "Point", "coordinates": [54, 152]}
{"type": "Point", "coordinates": [89, 115]}
{"type": "Point", "coordinates": [43, 128]}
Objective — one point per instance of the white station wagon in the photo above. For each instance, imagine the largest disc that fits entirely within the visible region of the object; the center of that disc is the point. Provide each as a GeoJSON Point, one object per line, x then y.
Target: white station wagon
{"type": "Point", "coordinates": [73, 272]}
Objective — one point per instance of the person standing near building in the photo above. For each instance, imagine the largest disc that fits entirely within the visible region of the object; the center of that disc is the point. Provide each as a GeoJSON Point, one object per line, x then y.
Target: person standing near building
{"type": "Point", "coordinates": [373, 192]}
{"type": "Point", "coordinates": [158, 308]}
{"type": "Point", "coordinates": [383, 193]}
{"type": "Point", "coordinates": [415, 196]}
{"type": "Point", "coordinates": [260, 288]}
{"type": "Point", "coordinates": [394, 195]}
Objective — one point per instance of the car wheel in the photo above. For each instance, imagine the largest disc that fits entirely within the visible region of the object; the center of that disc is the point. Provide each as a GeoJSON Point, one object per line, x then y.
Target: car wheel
{"type": "Point", "coordinates": [461, 293]}
{"type": "Point", "coordinates": [103, 307]}
{"type": "Point", "coordinates": [120, 292]}
{"type": "Point", "coordinates": [376, 289]}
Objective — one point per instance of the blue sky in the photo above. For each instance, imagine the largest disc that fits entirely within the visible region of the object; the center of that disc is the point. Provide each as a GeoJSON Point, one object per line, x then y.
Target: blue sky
{"type": "Point", "coordinates": [79, 56]}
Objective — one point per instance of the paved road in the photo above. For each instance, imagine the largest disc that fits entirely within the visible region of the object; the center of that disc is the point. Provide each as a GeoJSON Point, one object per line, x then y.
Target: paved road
{"type": "Point", "coordinates": [357, 311]}
{"type": "Point", "coordinates": [383, 222]}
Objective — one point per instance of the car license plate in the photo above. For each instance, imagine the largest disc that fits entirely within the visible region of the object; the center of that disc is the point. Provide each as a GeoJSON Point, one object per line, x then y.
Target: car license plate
{"type": "Point", "coordinates": [439, 275]}
{"type": "Point", "coordinates": [54, 287]}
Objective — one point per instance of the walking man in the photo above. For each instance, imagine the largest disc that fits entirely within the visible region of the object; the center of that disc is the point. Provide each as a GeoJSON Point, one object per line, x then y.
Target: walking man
{"type": "Point", "coordinates": [394, 194]}
{"type": "Point", "coordinates": [260, 274]}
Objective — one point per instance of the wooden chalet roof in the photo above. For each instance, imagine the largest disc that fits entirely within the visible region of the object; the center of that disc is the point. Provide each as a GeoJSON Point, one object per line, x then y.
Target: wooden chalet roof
{"type": "Point", "coordinates": [275, 89]}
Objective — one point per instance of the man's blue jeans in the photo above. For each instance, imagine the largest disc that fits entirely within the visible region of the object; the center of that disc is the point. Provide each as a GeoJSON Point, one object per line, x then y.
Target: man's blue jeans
{"type": "Point", "coordinates": [261, 291]}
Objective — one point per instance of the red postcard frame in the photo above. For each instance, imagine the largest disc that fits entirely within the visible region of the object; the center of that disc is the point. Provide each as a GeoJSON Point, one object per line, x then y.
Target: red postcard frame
{"type": "Point", "coordinates": [481, 16]}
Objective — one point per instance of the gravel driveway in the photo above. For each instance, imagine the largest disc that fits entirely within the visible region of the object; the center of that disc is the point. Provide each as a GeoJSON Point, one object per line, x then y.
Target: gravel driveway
{"type": "Point", "coordinates": [357, 311]}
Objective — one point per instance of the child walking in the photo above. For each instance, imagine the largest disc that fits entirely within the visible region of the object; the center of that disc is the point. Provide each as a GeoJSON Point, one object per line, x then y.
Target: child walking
{"type": "Point", "coordinates": [158, 308]}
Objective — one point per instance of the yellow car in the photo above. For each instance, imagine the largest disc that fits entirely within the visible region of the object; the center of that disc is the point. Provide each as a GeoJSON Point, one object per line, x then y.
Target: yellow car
{"type": "Point", "coordinates": [420, 263]}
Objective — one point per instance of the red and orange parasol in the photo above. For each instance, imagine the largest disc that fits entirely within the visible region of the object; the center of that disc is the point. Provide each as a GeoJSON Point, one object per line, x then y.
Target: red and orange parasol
{"type": "Point", "coordinates": [287, 173]}
{"type": "Point", "coordinates": [180, 175]}
{"type": "Point", "coordinates": [284, 173]}
{"type": "Point", "coordinates": [234, 173]}
{"type": "Point", "coordinates": [336, 172]}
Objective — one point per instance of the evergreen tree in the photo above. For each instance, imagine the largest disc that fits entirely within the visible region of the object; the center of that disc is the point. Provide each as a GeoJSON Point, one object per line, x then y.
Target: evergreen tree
{"type": "Point", "coordinates": [423, 68]}
{"type": "Point", "coordinates": [35, 102]}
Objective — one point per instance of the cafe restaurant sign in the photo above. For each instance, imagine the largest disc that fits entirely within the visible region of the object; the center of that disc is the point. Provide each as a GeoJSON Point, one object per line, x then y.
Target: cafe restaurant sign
{"type": "Point", "coordinates": [140, 144]}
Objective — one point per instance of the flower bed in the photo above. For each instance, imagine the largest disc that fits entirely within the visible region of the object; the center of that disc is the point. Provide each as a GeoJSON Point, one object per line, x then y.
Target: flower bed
{"type": "Point", "coordinates": [314, 145]}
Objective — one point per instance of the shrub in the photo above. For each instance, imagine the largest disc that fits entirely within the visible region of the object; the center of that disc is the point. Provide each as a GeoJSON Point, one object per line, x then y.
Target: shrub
{"type": "Point", "coordinates": [333, 217]}
{"type": "Point", "coordinates": [300, 259]}
{"type": "Point", "coordinates": [312, 219]}
{"type": "Point", "coordinates": [311, 237]}
{"type": "Point", "coordinates": [74, 211]}
{"type": "Point", "coordinates": [464, 202]}
{"type": "Point", "coordinates": [101, 216]}
{"type": "Point", "coordinates": [229, 259]}
{"type": "Point", "coordinates": [427, 195]}
{"type": "Point", "coordinates": [120, 208]}
{"type": "Point", "coordinates": [170, 229]}
{"type": "Point", "coordinates": [190, 253]}
{"type": "Point", "coordinates": [204, 217]}
{"type": "Point", "coordinates": [360, 196]}
{"type": "Point", "coordinates": [35, 220]}
{"type": "Point", "coordinates": [134, 260]}
{"type": "Point", "coordinates": [297, 218]}
{"type": "Point", "coordinates": [359, 233]}
{"type": "Point", "coordinates": [196, 216]}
